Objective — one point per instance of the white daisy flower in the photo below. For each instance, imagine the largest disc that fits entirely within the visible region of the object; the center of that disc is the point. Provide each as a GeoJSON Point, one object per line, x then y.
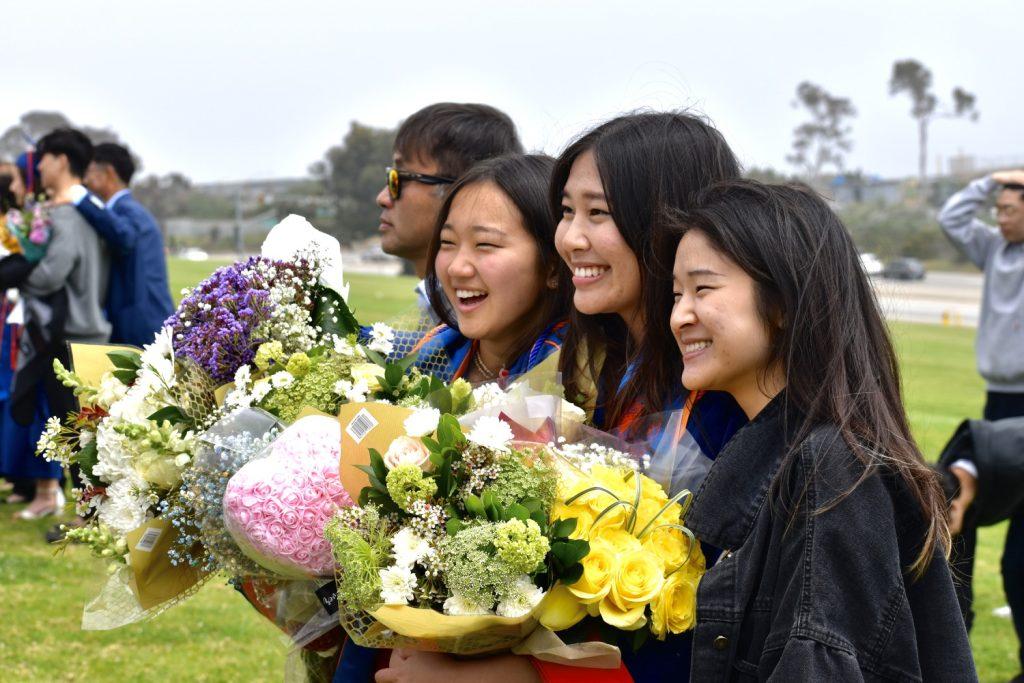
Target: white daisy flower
{"type": "Point", "coordinates": [492, 433]}
{"type": "Point", "coordinates": [423, 422]}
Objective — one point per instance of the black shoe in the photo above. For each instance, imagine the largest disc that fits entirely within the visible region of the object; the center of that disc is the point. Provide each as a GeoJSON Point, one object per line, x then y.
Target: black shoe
{"type": "Point", "coordinates": [1019, 678]}
{"type": "Point", "coordinates": [55, 534]}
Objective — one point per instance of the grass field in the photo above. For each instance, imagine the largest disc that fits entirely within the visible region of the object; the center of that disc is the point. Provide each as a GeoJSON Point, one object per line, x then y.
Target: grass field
{"type": "Point", "coordinates": [215, 636]}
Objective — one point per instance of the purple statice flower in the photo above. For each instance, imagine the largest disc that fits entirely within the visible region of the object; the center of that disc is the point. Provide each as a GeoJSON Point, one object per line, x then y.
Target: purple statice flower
{"type": "Point", "coordinates": [216, 324]}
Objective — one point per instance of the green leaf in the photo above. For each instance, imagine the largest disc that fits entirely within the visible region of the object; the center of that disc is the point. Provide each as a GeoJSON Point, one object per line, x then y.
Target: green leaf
{"type": "Point", "coordinates": [393, 374]}
{"type": "Point", "coordinates": [454, 526]}
{"type": "Point", "coordinates": [437, 459]}
{"type": "Point", "coordinates": [406, 363]}
{"type": "Point", "coordinates": [540, 518]}
{"type": "Point", "coordinates": [517, 511]}
{"type": "Point", "coordinates": [563, 528]}
{"type": "Point", "coordinates": [171, 414]}
{"type": "Point", "coordinates": [375, 357]}
{"type": "Point", "coordinates": [570, 552]}
{"type": "Point", "coordinates": [474, 506]}
{"type": "Point", "coordinates": [640, 637]}
{"type": "Point", "coordinates": [125, 377]}
{"type": "Point", "coordinates": [125, 360]}
{"type": "Point", "coordinates": [571, 575]}
{"type": "Point", "coordinates": [332, 315]}
{"type": "Point", "coordinates": [87, 458]}
{"type": "Point", "coordinates": [532, 504]}
{"type": "Point", "coordinates": [377, 462]}
{"type": "Point", "coordinates": [442, 400]}
{"type": "Point", "coordinates": [432, 445]}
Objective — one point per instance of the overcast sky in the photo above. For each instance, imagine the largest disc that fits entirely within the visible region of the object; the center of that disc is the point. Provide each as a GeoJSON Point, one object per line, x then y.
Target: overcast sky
{"type": "Point", "coordinates": [224, 89]}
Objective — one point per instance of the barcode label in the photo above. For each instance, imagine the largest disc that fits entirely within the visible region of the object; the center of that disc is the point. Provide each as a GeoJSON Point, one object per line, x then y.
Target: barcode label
{"type": "Point", "coordinates": [361, 425]}
{"type": "Point", "coordinates": [149, 539]}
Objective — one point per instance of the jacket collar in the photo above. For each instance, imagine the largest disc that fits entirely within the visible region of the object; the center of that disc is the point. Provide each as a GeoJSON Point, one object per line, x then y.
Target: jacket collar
{"type": "Point", "coordinates": [731, 496]}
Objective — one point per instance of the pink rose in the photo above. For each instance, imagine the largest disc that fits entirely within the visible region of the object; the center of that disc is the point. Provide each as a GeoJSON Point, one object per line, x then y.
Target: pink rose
{"type": "Point", "coordinates": [262, 489]}
{"type": "Point", "coordinates": [287, 546]}
{"type": "Point", "coordinates": [305, 535]}
{"type": "Point", "coordinates": [290, 518]}
{"type": "Point", "coordinates": [301, 556]}
{"type": "Point", "coordinates": [272, 508]}
{"type": "Point", "coordinates": [249, 500]}
{"type": "Point", "coordinates": [275, 529]}
{"type": "Point", "coordinates": [243, 516]}
{"type": "Point", "coordinates": [310, 495]}
{"type": "Point", "coordinates": [308, 517]}
{"type": "Point", "coordinates": [290, 497]}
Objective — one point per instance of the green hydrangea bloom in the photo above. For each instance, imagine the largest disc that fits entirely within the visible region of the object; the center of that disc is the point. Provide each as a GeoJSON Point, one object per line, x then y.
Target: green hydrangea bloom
{"type": "Point", "coordinates": [519, 480]}
{"type": "Point", "coordinates": [268, 353]}
{"type": "Point", "coordinates": [407, 485]}
{"type": "Point", "coordinates": [315, 388]}
{"type": "Point", "coordinates": [476, 569]}
{"type": "Point", "coordinates": [298, 365]}
{"type": "Point", "coordinates": [520, 545]}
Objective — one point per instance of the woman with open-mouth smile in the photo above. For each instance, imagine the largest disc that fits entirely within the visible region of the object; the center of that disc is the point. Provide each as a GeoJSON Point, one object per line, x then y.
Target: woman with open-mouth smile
{"type": "Point", "coordinates": [492, 258]}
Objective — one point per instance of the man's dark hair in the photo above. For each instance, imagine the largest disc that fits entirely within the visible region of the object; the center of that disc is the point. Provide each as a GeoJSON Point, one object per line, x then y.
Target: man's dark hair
{"type": "Point", "coordinates": [456, 136]}
{"type": "Point", "coordinates": [117, 157]}
{"type": "Point", "coordinates": [71, 143]}
{"type": "Point", "coordinates": [1015, 187]}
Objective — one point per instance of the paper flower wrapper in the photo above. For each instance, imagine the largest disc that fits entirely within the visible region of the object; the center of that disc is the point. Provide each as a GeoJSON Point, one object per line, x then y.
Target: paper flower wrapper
{"type": "Point", "coordinates": [395, 626]}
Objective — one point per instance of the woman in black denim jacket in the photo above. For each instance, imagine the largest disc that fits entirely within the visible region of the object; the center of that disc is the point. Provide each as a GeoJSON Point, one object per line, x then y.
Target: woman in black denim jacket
{"type": "Point", "coordinates": [832, 526]}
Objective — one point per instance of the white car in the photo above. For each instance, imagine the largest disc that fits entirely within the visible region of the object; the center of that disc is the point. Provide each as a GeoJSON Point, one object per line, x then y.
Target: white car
{"type": "Point", "coordinates": [193, 254]}
{"type": "Point", "coordinates": [872, 264]}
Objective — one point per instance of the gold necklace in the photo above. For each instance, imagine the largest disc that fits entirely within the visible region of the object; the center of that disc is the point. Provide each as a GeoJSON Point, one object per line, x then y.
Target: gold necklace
{"type": "Point", "coordinates": [482, 367]}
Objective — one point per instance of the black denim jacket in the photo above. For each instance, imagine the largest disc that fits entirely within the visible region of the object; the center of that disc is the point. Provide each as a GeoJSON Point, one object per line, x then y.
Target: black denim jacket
{"type": "Point", "coordinates": [822, 595]}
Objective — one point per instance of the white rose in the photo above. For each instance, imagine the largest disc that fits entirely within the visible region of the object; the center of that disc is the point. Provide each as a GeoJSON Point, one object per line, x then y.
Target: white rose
{"type": "Point", "coordinates": [406, 451]}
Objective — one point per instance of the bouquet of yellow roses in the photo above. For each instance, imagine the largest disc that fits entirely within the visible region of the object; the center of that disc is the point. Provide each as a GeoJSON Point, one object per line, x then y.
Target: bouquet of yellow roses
{"type": "Point", "coordinates": [643, 564]}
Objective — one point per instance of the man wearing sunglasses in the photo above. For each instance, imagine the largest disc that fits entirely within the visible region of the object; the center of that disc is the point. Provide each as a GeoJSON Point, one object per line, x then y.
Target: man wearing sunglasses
{"type": "Point", "coordinates": [433, 147]}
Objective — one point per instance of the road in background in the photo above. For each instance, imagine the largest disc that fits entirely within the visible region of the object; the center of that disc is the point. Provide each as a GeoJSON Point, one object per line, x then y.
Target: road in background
{"type": "Point", "coordinates": [941, 298]}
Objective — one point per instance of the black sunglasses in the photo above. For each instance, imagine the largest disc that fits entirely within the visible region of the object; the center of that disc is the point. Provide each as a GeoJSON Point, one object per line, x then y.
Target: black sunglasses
{"type": "Point", "coordinates": [395, 178]}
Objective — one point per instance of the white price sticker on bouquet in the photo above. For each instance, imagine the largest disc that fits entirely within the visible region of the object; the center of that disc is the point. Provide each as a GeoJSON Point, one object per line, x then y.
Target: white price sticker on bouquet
{"type": "Point", "coordinates": [149, 539]}
{"type": "Point", "coordinates": [361, 425]}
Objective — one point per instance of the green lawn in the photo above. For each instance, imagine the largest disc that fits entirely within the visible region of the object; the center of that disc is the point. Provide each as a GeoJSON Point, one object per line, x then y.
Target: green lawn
{"type": "Point", "coordinates": [215, 636]}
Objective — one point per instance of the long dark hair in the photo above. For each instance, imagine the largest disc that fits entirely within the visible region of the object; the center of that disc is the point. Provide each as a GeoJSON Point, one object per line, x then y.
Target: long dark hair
{"type": "Point", "coordinates": [523, 178]}
{"type": "Point", "coordinates": [830, 338]}
{"type": "Point", "coordinates": [648, 162]}
{"type": "Point", "coordinates": [7, 199]}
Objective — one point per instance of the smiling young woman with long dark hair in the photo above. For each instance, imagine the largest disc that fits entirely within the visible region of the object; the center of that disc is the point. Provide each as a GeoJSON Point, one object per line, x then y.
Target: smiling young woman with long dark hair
{"type": "Point", "coordinates": [610, 189]}
{"type": "Point", "coordinates": [834, 525]}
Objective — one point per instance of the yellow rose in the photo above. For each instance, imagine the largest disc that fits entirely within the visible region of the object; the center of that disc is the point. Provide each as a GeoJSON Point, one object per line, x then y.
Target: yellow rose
{"type": "Point", "coordinates": [598, 571]}
{"type": "Point", "coordinates": [639, 579]}
{"type": "Point", "coordinates": [652, 490]}
{"type": "Point", "coordinates": [610, 480]}
{"type": "Point", "coordinates": [670, 544]}
{"type": "Point", "coordinates": [626, 619]}
{"type": "Point", "coordinates": [675, 610]}
{"type": "Point", "coordinates": [369, 373]}
{"type": "Point", "coordinates": [582, 514]}
{"type": "Point", "coordinates": [560, 609]}
{"type": "Point", "coordinates": [646, 512]}
{"type": "Point", "coordinates": [618, 539]}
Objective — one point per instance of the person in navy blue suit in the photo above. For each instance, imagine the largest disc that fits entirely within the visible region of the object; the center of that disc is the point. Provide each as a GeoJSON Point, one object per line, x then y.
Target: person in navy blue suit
{"type": "Point", "coordinates": [139, 298]}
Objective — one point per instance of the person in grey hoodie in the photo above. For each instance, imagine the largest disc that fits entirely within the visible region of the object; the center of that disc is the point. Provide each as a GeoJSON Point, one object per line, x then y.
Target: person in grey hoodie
{"type": "Point", "coordinates": [999, 252]}
{"type": "Point", "coordinates": [63, 295]}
